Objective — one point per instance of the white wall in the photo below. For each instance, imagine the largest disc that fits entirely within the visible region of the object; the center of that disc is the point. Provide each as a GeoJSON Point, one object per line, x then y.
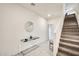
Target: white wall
{"type": "Point", "coordinates": [74, 11]}
{"type": "Point", "coordinates": [12, 20]}
{"type": "Point", "coordinates": [58, 24]}
{"type": "Point", "coordinates": [77, 17]}
{"type": "Point", "coordinates": [73, 8]}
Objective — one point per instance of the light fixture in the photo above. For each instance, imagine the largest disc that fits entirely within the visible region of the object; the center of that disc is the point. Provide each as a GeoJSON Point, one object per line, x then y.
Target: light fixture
{"type": "Point", "coordinates": [49, 15]}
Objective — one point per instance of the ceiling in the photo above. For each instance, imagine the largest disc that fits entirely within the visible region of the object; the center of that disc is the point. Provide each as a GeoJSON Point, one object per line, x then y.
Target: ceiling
{"type": "Point", "coordinates": [50, 10]}
{"type": "Point", "coordinates": [46, 10]}
{"type": "Point", "coordinates": [71, 6]}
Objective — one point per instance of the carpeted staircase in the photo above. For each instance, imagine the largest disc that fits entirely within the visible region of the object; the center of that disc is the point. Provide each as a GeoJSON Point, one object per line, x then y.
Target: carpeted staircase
{"type": "Point", "coordinates": [69, 42]}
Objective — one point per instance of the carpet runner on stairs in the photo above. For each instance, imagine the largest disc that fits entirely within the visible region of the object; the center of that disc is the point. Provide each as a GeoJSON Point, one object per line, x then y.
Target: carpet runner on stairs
{"type": "Point", "coordinates": [69, 42]}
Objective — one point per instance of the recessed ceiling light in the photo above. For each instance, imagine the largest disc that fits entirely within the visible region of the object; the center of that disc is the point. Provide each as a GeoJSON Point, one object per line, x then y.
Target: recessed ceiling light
{"type": "Point", "coordinates": [49, 15]}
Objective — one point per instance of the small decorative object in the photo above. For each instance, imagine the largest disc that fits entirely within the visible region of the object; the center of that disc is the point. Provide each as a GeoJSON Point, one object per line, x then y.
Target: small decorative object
{"type": "Point", "coordinates": [34, 38]}
{"type": "Point", "coordinates": [26, 40]}
{"type": "Point", "coordinates": [30, 37]}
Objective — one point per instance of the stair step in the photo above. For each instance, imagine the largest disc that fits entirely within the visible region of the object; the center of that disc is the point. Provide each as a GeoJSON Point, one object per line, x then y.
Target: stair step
{"type": "Point", "coordinates": [69, 51]}
{"type": "Point", "coordinates": [70, 36]}
{"type": "Point", "coordinates": [70, 23]}
{"type": "Point", "coordinates": [66, 25]}
{"type": "Point", "coordinates": [61, 54]}
{"type": "Point", "coordinates": [70, 30]}
{"type": "Point", "coordinates": [70, 33]}
{"type": "Point", "coordinates": [69, 40]}
{"type": "Point", "coordinates": [70, 26]}
{"type": "Point", "coordinates": [69, 45]}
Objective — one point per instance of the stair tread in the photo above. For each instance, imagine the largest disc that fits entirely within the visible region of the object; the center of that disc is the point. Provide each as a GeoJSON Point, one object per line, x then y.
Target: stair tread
{"type": "Point", "coordinates": [70, 29]}
{"type": "Point", "coordinates": [70, 25]}
{"type": "Point", "coordinates": [76, 34]}
{"type": "Point", "coordinates": [69, 51]}
{"type": "Point", "coordinates": [67, 29]}
{"type": "Point", "coordinates": [71, 36]}
{"type": "Point", "coordinates": [61, 54]}
{"type": "Point", "coordinates": [70, 45]}
{"type": "Point", "coordinates": [67, 39]}
{"type": "Point", "coordinates": [71, 32]}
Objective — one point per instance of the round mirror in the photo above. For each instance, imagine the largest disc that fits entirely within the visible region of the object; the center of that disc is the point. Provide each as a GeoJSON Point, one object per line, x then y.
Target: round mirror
{"type": "Point", "coordinates": [29, 26]}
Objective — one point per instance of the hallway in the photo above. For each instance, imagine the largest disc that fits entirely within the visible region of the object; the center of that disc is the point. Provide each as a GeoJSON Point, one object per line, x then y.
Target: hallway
{"type": "Point", "coordinates": [25, 27]}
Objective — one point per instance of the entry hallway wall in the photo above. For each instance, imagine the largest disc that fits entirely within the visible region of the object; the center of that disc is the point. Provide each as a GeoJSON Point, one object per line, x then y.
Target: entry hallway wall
{"type": "Point", "coordinates": [57, 22]}
{"type": "Point", "coordinates": [12, 20]}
